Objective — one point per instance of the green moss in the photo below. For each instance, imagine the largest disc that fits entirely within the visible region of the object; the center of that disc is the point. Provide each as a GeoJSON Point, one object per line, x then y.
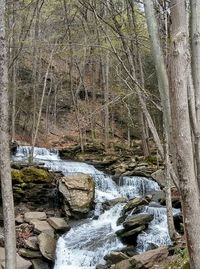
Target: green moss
{"type": "Point", "coordinates": [181, 262]}
{"type": "Point", "coordinates": [17, 175]}
{"type": "Point", "coordinates": [32, 174]}
{"type": "Point", "coordinates": [151, 159]}
{"type": "Point", "coordinates": [18, 190]}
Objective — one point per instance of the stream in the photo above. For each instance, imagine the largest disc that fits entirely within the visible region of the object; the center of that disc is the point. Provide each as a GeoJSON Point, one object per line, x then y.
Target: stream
{"type": "Point", "coordinates": [85, 245]}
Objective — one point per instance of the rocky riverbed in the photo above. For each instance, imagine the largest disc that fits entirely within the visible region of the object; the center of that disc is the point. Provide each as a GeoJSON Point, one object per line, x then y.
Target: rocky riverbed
{"type": "Point", "coordinates": [49, 203]}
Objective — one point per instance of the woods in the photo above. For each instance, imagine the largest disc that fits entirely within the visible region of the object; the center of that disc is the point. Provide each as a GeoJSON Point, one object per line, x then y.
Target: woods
{"type": "Point", "coordinates": [119, 76]}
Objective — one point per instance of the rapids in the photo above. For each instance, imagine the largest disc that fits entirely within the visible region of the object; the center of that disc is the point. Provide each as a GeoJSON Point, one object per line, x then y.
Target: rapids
{"type": "Point", "coordinates": [85, 245]}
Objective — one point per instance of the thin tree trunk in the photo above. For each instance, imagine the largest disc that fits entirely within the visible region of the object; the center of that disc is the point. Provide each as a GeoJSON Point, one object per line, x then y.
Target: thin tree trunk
{"type": "Point", "coordinates": [195, 34]}
{"type": "Point", "coordinates": [185, 159]}
{"type": "Point", "coordinates": [106, 99]}
{"type": "Point", "coordinates": [6, 181]}
{"type": "Point", "coordinates": [163, 86]}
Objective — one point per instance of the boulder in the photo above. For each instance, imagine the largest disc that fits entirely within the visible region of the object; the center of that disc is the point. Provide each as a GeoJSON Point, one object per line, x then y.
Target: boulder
{"type": "Point", "coordinates": [159, 177]}
{"type": "Point", "coordinates": [115, 257]}
{"type": "Point", "coordinates": [59, 224]}
{"type": "Point", "coordinates": [144, 260]}
{"type": "Point", "coordinates": [122, 265]}
{"type": "Point", "coordinates": [149, 258]}
{"type": "Point", "coordinates": [124, 234]}
{"type": "Point", "coordinates": [47, 245]}
{"type": "Point", "coordinates": [137, 220]}
{"type": "Point", "coordinates": [42, 226]}
{"type": "Point", "coordinates": [28, 216]}
{"type": "Point", "coordinates": [30, 254]}
{"type": "Point", "coordinates": [135, 202]}
{"type": "Point", "coordinates": [21, 262]}
{"type": "Point", "coordinates": [32, 243]}
{"type": "Point", "coordinates": [39, 264]}
{"type": "Point", "coordinates": [78, 190]}
{"type": "Point", "coordinates": [113, 202]}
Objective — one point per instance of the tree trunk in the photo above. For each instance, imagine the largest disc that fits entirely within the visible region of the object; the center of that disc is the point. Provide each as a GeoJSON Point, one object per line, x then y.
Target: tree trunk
{"type": "Point", "coordinates": [163, 86]}
{"type": "Point", "coordinates": [6, 181]}
{"type": "Point", "coordinates": [182, 131]}
{"type": "Point", "coordinates": [195, 34]}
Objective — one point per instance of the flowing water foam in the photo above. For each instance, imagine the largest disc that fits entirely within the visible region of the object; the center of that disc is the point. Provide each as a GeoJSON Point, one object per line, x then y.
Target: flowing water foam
{"type": "Point", "coordinates": [85, 245]}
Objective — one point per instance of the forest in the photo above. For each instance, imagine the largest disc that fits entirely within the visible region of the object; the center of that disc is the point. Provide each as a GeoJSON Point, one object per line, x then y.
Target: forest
{"type": "Point", "coordinates": [100, 134]}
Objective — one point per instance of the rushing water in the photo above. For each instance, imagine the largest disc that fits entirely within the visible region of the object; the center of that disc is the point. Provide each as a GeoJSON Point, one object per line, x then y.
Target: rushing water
{"type": "Point", "coordinates": [85, 245]}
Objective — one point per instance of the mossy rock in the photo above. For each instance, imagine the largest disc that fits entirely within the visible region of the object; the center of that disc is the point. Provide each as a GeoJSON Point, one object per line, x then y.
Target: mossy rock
{"type": "Point", "coordinates": [32, 174]}
{"type": "Point", "coordinates": [17, 175]}
{"type": "Point", "coordinates": [18, 190]}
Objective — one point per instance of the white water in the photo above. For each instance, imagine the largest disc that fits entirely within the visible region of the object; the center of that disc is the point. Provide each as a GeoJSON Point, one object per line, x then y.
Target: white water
{"type": "Point", "coordinates": [85, 245]}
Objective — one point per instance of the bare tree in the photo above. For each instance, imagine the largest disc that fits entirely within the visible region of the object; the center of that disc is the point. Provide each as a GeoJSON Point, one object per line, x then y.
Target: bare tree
{"type": "Point", "coordinates": [6, 181]}
{"type": "Point", "coordinates": [182, 131]}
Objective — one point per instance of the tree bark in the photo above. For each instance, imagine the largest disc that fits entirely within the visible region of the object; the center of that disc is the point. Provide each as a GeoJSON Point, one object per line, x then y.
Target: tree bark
{"type": "Point", "coordinates": [195, 34]}
{"type": "Point", "coordinates": [6, 181]}
{"type": "Point", "coordinates": [182, 131]}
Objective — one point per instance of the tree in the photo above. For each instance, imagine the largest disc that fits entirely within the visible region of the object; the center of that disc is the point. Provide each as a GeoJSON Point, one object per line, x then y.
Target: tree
{"type": "Point", "coordinates": [179, 69]}
{"type": "Point", "coordinates": [6, 181]}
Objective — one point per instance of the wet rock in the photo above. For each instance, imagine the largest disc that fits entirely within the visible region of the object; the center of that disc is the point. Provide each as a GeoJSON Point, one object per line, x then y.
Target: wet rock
{"type": "Point", "coordinates": [124, 234]}
{"type": "Point", "coordinates": [78, 190]}
{"type": "Point", "coordinates": [39, 264]}
{"type": "Point", "coordinates": [137, 220]}
{"type": "Point", "coordinates": [115, 257]}
{"type": "Point", "coordinates": [135, 202]}
{"type": "Point", "coordinates": [110, 203]}
{"type": "Point", "coordinates": [27, 253]}
{"type": "Point", "coordinates": [47, 245]}
{"type": "Point", "coordinates": [149, 258]}
{"type": "Point", "coordinates": [42, 226]}
{"type": "Point", "coordinates": [59, 224]}
{"type": "Point", "coordinates": [28, 216]}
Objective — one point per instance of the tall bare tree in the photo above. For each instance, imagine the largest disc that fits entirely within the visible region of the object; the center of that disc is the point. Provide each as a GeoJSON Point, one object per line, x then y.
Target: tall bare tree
{"type": "Point", "coordinates": [6, 181]}
{"type": "Point", "coordinates": [182, 130]}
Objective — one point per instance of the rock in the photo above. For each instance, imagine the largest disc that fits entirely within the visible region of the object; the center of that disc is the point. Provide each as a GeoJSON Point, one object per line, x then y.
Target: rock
{"type": "Point", "coordinates": [123, 234]}
{"type": "Point", "coordinates": [113, 202]}
{"type": "Point", "coordinates": [149, 258]}
{"type": "Point", "coordinates": [144, 260]}
{"type": "Point", "coordinates": [42, 226]}
{"type": "Point", "coordinates": [19, 219]}
{"type": "Point", "coordinates": [47, 245]}
{"type": "Point", "coordinates": [159, 177]}
{"type": "Point", "coordinates": [122, 265]}
{"type": "Point", "coordinates": [135, 202]}
{"type": "Point", "coordinates": [32, 243]}
{"type": "Point", "coordinates": [78, 190]}
{"type": "Point", "coordinates": [140, 168]}
{"type": "Point", "coordinates": [28, 216]}
{"type": "Point", "coordinates": [21, 263]}
{"type": "Point", "coordinates": [34, 174]}
{"type": "Point", "coordinates": [59, 224]}
{"type": "Point", "coordinates": [137, 220]}
{"type": "Point", "coordinates": [115, 257]}
{"type": "Point", "coordinates": [39, 264]}
{"type": "Point", "coordinates": [27, 253]}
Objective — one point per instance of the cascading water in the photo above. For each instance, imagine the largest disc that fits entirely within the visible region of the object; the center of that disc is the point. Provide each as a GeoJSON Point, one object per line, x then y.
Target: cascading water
{"type": "Point", "coordinates": [85, 245]}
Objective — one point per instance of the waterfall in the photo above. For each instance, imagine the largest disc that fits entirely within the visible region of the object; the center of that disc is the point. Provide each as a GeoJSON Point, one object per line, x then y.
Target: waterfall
{"type": "Point", "coordinates": [85, 245]}
{"type": "Point", "coordinates": [157, 233]}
